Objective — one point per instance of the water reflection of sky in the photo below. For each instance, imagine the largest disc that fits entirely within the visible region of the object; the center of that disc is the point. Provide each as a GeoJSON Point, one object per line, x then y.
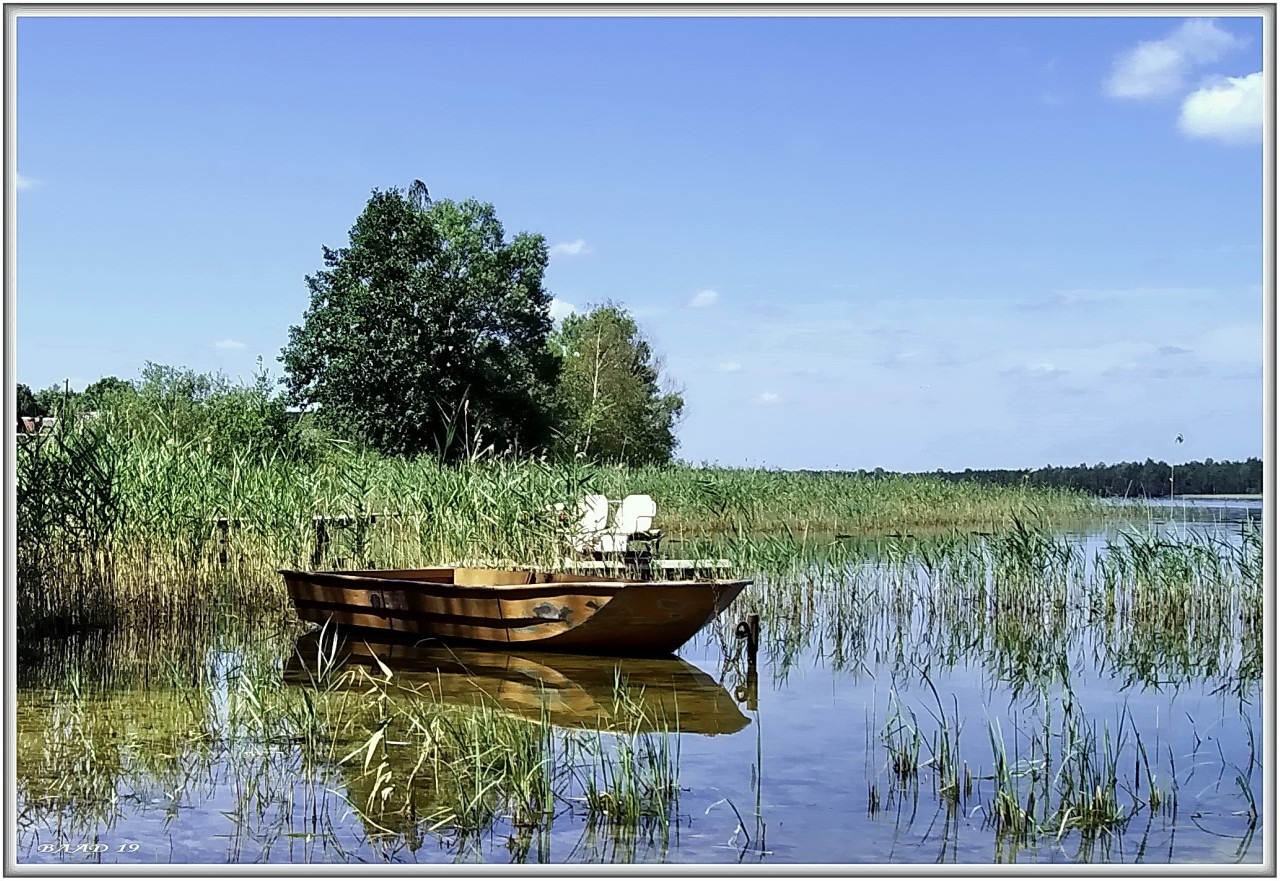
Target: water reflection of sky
{"type": "Point", "coordinates": [1211, 509]}
{"type": "Point", "coordinates": [807, 759]}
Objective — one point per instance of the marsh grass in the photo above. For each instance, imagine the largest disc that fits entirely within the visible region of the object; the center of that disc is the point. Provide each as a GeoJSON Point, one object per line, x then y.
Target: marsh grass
{"type": "Point", "coordinates": [350, 743]}
{"type": "Point", "coordinates": [149, 525]}
{"type": "Point", "coordinates": [1025, 606]}
{"type": "Point", "coordinates": [1056, 777]}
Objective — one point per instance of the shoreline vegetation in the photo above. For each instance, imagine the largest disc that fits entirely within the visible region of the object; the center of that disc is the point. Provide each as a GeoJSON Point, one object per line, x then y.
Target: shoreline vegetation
{"type": "Point", "coordinates": [111, 530]}
{"type": "Point", "coordinates": [180, 496]}
{"type": "Point", "coordinates": [1137, 480]}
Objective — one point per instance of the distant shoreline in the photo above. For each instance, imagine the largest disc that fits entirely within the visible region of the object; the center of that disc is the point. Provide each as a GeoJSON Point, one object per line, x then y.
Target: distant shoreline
{"type": "Point", "coordinates": [1226, 497]}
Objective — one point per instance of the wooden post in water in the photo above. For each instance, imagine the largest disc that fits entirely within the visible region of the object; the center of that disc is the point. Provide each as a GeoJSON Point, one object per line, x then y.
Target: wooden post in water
{"type": "Point", "coordinates": [748, 691]}
{"type": "Point", "coordinates": [753, 689]}
{"type": "Point", "coordinates": [750, 631]}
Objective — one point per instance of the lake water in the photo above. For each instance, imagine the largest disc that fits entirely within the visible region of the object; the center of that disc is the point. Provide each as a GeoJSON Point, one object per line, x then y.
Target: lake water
{"type": "Point", "coordinates": [879, 677]}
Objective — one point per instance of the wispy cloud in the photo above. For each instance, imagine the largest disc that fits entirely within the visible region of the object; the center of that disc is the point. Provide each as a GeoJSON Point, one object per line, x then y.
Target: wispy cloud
{"type": "Point", "coordinates": [703, 299]}
{"type": "Point", "coordinates": [1156, 68]}
{"type": "Point", "coordinates": [923, 355]}
{"type": "Point", "coordinates": [1155, 371]}
{"type": "Point", "coordinates": [27, 183]}
{"type": "Point", "coordinates": [1090, 299]}
{"type": "Point", "coordinates": [1229, 110]}
{"type": "Point", "coordinates": [1040, 371]}
{"type": "Point", "coordinates": [728, 367]}
{"type": "Point", "coordinates": [228, 344]}
{"type": "Point", "coordinates": [561, 309]}
{"type": "Point", "coordinates": [768, 398]}
{"type": "Point", "coordinates": [570, 249]}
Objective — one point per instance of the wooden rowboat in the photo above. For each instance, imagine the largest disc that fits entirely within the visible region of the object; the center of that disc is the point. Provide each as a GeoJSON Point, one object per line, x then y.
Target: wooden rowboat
{"type": "Point", "coordinates": [556, 612]}
{"type": "Point", "coordinates": [569, 691]}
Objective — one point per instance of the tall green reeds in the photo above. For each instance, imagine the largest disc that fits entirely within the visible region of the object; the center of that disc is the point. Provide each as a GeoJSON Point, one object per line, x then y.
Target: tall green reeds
{"type": "Point", "coordinates": [124, 515]}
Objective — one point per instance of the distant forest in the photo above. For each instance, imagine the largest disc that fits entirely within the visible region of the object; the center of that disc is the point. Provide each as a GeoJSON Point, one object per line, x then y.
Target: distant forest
{"type": "Point", "coordinates": [1131, 479]}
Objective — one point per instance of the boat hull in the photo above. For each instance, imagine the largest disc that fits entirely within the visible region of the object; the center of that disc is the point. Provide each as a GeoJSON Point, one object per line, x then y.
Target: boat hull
{"type": "Point", "coordinates": [546, 612]}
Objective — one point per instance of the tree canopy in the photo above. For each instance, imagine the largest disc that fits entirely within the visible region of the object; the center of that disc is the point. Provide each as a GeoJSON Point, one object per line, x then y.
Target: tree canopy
{"type": "Point", "coordinates": [27, 403]}
{"type": "Point", "coordinates": [1130, 479]}
{"type": "Point", "coordinates": [611, 400]}
{"type": "Point", "coordinates": [98, 393]}
{"type": "Point", "coordinates": [428, 329]}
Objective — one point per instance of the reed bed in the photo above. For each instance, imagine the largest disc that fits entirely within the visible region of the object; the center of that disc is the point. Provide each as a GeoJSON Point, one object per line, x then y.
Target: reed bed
{"type": "Point", "coordinates": [1050, 776]}
{"type": "Point", "coordinates": [1025, 605]}
{"type": "Point", "coordinates": [114, 527]}
{"type": "Point", "coordinates": [1069, 780]}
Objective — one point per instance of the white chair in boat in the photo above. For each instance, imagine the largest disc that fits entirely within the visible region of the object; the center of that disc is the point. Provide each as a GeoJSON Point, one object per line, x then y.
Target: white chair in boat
{"type": "Point", "coordinates": [632, 522]}
{"type": "Point", "coordinates": [592, 525]}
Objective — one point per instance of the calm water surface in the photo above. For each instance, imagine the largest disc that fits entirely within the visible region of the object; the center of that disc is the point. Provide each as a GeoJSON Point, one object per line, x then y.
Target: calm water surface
{"type": "Point", "coordinates": [791, 763]}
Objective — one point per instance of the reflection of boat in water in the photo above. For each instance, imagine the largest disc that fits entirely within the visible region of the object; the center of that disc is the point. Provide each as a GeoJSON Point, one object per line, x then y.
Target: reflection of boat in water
{"type": "Point", "coordinates": [577, 691]}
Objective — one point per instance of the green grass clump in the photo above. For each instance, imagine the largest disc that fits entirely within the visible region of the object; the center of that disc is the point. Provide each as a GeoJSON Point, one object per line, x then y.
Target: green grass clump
{"type": "Point", "coordinates": [304, 758]}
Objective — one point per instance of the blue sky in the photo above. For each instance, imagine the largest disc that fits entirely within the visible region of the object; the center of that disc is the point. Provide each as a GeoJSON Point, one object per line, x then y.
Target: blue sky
{"type": "Point", "coordinates": [908, 243]}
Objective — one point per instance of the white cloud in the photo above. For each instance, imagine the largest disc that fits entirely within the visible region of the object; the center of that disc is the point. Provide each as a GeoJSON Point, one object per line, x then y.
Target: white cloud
{"type": "Point", "coordinates": [228, 344]}
{"type": "Point", "coordinates": [728, 367]}
{"type": "Point", "coordinates": [703, 299]}
{"type": "Point", "coordinates": [1042, 370]}
{"type": "Point", "coordinates": [561, 310]}
{"type": "Point", "coordinates": [569, 249]}
{"type": "Point", "coordinates": [1230, 110]}
{"type": "Point", "coordinates": [26, 183]}
{"type": "Point", "coordinates": [768, 398]}
{"type": "Point", "coordinates": [1156, 68]}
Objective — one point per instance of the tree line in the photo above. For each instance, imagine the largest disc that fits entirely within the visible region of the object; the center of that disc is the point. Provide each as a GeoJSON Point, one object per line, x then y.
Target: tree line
{"type": "Point", "coordinates": [1150, 479]}
{"type": "Point", "coordinates": [430, 332]}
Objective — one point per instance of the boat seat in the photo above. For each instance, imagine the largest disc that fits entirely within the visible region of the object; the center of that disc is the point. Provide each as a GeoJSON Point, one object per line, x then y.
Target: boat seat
{"type": "Point", "coordinates": [593, 520]}
{"type": "Point", "coordinates": [632, 522]}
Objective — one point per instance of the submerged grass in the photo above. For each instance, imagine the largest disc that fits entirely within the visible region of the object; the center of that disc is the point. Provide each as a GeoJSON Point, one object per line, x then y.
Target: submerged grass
{"type": "Point", "coordinates": [1025, 605]}
{"type": "Point", "coordinates": [352, 743]}
{"type": "Point", "coordinates": [1054, 776]}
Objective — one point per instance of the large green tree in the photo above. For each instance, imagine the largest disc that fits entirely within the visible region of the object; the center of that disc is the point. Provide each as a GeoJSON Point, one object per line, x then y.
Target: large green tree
{"type": "Point", "coordinates": [98, 393]}
{"type": "Point", "coordinates": [611, 394]}
{"type": "Point", "coordinates": [428, 332]}
{"type": "Point", "coordinates": [27, 403]}
{"type": "Point", "coordinates": [52, 399]}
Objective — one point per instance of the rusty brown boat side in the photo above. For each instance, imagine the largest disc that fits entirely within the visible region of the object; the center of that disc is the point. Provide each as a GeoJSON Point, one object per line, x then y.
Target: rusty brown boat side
{"type": "Point", "coordinates": [542, 611]}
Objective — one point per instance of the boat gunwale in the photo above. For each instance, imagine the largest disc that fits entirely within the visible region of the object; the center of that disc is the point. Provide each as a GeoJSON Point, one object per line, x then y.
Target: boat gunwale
{"type": "Point", "coordinates": [566, 586]}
